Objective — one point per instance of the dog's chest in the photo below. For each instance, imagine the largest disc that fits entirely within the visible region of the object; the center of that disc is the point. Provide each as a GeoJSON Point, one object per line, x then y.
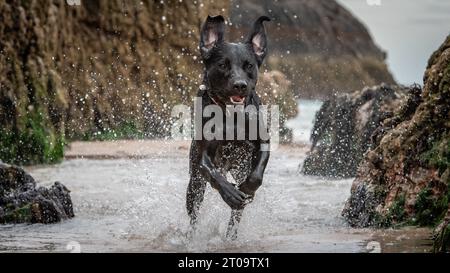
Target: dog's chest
{"type": "Point", "coordinates": [236, 155]}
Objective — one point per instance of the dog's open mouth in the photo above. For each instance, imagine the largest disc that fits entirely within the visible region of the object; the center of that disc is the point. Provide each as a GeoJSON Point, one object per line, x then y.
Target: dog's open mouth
{"type": "Point", "coordinates": [237, 99]}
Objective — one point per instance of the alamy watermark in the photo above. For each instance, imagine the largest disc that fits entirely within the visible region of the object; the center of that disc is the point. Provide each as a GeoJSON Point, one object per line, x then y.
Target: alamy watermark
{"type": "Point", "coordinates": [373, 247]}
{"type": "Point", "coordinates": [230, 122]}
{"type": "Point", "coordinates": [73, 247]}
{"type": "Point", "coordinates": [373, 2]}
{"type": "Point", "coordinates": [73, 2]}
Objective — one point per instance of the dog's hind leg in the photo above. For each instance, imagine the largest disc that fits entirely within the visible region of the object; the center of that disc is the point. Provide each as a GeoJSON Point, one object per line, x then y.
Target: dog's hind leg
{"type": "Point", "coordinates": [233, 224]}
{"type": "Point", "coordinates": [197, 185]}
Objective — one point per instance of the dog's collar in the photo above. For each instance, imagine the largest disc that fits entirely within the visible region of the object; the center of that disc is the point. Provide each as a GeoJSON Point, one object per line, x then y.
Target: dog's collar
{"type": "Point", "coordinates": [203, 88]}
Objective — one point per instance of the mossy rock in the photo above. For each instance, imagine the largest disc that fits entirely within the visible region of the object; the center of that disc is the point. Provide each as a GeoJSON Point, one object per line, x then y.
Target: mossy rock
{"type": "Point", "coordinates": [17, 215]}
{"type": "Point", "coordinates": [442, 240]}
{"type": "Point", "coordinates": [430, 209]}
{"type": "Point", "coordinates": [410, 157]}
{"type": "Point", "coordinates": [35, 144]}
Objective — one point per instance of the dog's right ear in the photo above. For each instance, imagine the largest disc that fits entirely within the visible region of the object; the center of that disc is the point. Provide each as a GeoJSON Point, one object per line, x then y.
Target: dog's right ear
{"type": "Point", "coordinates": [258, 39]}
{"type": "Point", "coordinates": [211, 34]}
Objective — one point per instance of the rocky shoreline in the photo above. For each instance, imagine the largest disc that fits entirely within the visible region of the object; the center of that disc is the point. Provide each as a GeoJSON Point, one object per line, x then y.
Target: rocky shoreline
{"type": "Point", "coordinates": [396, 141]}
{"type": "Point", "coordinates": [405, 177]}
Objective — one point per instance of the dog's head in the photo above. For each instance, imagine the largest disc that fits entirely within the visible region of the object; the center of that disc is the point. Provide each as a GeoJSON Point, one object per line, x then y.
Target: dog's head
{"type": "Point", "coordinates": [231, 68]}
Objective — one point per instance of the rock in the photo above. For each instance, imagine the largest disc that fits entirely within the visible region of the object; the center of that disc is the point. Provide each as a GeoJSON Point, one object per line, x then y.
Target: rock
{"type": "Point", "coordinates": [14, 179]}
{"type": "Point", "coordinates": [441, 235]}
{"type": "Point", "coordinates": [344, 127]}
{"type": "Point", "coordinates": [318, 44]}
{"type": "Point", "coordinates": [22, 202]}
{"type": "Point", "coordinates": [405, 175]}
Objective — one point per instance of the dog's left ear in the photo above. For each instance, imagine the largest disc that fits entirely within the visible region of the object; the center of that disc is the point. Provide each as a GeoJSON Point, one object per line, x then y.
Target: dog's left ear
{"type": "Point", "coordinates": [258, 39]}
{"type": "Point", "coordinates": [211, 34]}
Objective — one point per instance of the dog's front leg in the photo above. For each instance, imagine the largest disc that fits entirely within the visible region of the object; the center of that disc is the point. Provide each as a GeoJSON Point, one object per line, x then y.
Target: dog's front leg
{"type": "Point", "coordinates": [249, 187]}
{"type": "Point", "coordinates": [254, 180]}
{"type": "Point", "coordinates": [232, 196]}
{"type": "Point", "coordinates": [233, 224]}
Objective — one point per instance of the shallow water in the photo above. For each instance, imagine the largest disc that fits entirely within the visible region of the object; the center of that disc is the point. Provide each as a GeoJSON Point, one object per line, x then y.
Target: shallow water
{"type": "Point", "coordinates": [137, 203]}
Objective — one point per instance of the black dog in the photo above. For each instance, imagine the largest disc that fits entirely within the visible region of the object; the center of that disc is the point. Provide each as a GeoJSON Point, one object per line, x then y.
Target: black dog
{"type": "Point", "coordinates": [231, 71]}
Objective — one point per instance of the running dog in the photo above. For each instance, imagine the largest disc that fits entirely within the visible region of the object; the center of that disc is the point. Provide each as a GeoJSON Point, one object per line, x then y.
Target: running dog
{"type": "Point", "coordinates": [230, 76]}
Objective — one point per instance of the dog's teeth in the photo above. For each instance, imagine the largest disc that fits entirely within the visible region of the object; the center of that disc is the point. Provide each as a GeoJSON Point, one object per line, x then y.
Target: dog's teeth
{"type": "Point", "coordinates": [237, 102]}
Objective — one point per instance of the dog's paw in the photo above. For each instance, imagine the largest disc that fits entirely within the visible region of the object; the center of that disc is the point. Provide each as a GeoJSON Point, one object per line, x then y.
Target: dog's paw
{"type": "Point", "coordinates": [251, 185]}
{"type": "Point", "coordinates": [232, 196]}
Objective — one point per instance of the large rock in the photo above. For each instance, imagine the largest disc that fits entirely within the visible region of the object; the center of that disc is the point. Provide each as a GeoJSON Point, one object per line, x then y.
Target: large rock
{"type": "Point", "coordinates": [405, 176]}
{"type": "Point", "coordinates": [318, 44]}
{"type": "Point", "coordinates": [441, 235]}
{"type": "Point", "coordinates": [22, 202]}
{"type": "Point", "coordinates": [344, 126]}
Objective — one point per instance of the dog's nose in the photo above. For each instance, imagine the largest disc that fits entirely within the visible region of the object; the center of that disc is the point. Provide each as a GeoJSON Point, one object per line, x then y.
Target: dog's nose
{"type": "Point", "coordinates": [240, 85]}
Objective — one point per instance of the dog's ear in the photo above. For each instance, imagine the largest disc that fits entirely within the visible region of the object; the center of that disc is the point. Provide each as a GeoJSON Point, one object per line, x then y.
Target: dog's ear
{"type": "Point", "coordinates": [211, 34]}
{"type": "Point", "coordinates": [258, 39]}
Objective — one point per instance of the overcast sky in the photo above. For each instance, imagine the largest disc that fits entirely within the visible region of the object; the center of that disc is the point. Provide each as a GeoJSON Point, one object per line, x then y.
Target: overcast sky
{"type": "Point", "coordinates": [409, 30]}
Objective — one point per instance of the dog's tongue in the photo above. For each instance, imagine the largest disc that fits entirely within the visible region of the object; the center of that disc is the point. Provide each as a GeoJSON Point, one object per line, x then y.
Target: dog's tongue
{"type": "Point", "coordinates": [237, 98]}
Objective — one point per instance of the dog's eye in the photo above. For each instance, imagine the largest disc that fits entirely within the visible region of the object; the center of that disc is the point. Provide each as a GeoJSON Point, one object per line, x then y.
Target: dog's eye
{"type": "Point", "coordinates": [222, 66]}
{"type": "Point", "coordinates": [249, 66]}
